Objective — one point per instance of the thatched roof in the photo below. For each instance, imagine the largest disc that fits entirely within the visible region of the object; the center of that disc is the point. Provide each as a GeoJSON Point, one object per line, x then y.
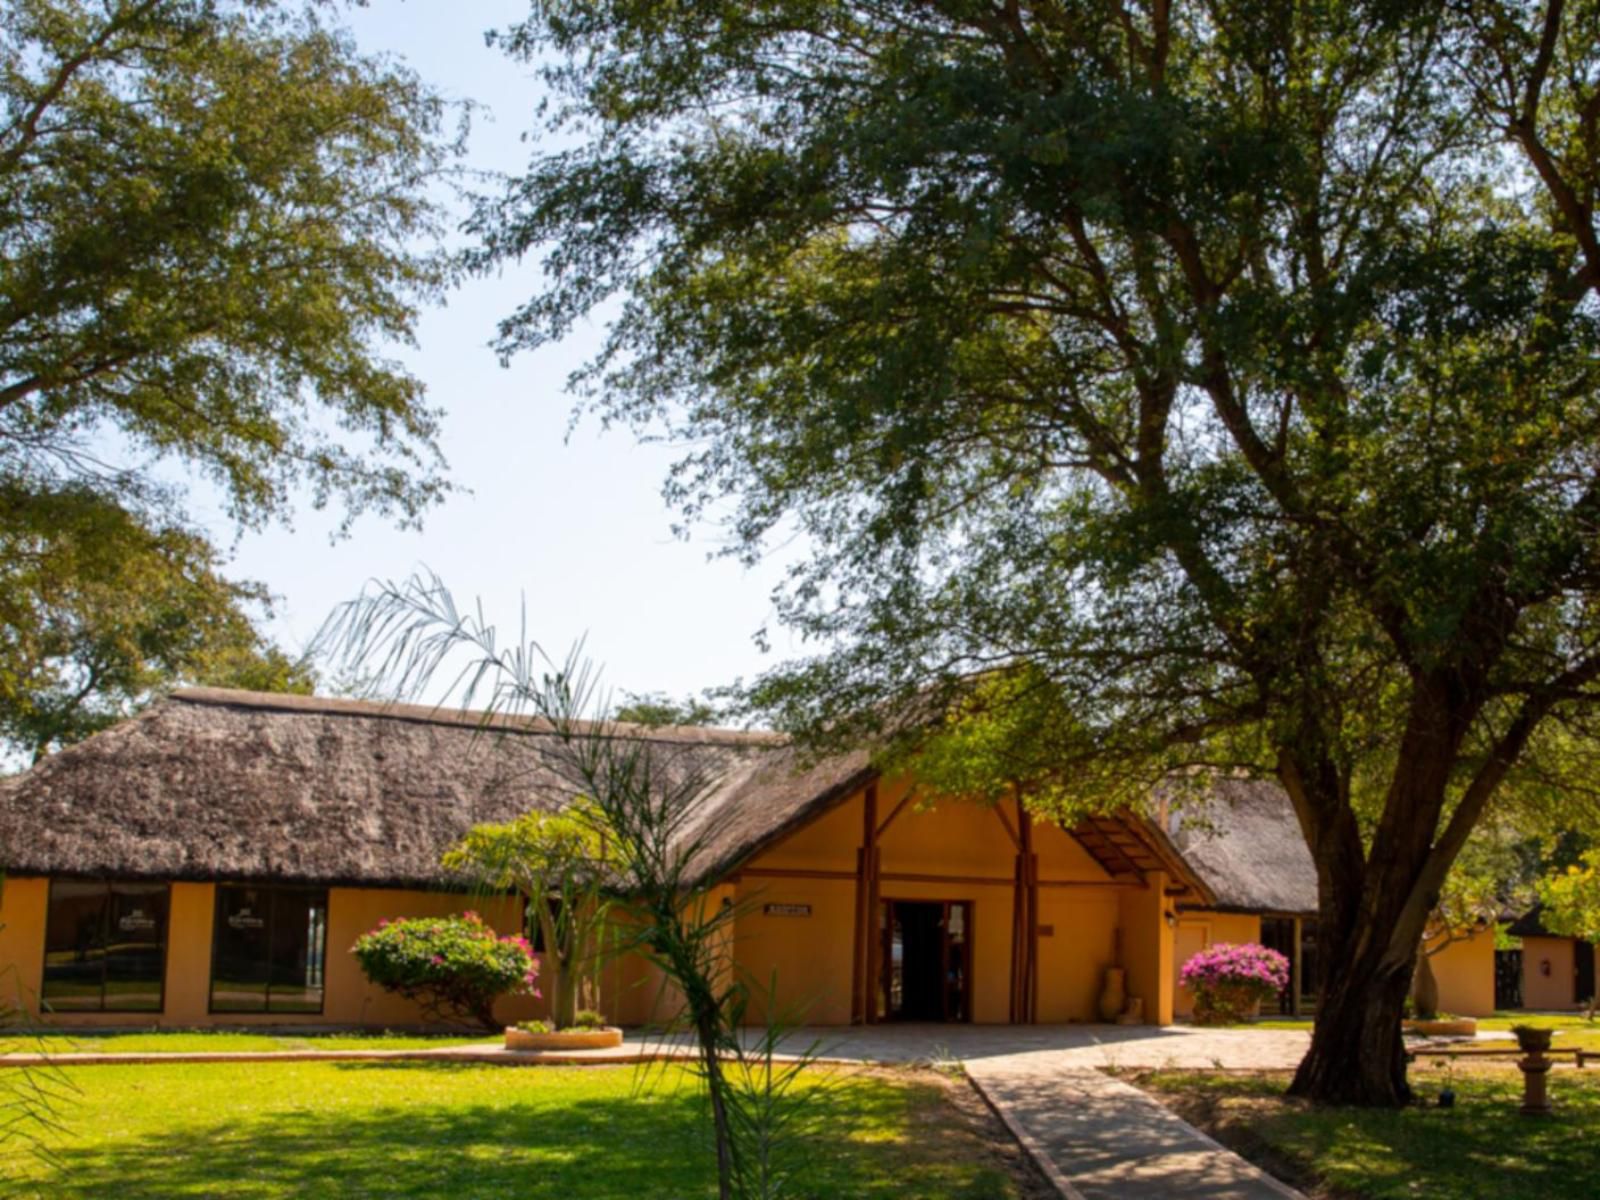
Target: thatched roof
{"type": "Point", "coordinates": [1245, 842]}
{"type": "Point", "coordinates": [210, 784]}
{"type": "Point", "coordinates": [1531, 924]}
{"type": "Point", "coordinates": [213, 784]}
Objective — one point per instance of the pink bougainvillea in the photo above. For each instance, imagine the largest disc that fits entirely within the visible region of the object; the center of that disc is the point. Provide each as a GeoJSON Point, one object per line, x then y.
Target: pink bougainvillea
{"type": "Point", "coordinates": [1229, 980]}
{"type": "Point", "coordinates": [454, 966]}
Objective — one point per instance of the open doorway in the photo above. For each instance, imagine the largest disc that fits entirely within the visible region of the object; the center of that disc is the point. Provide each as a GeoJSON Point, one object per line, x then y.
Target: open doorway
{"type": "Point", "coordinates": [927, 960]}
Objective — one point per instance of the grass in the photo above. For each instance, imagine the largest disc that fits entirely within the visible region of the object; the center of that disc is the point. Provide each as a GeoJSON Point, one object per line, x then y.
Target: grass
{"type": "Point", "coordinates": [1482, 1149]}
{"type": "Point", "coordinates": [260, 1131]}
{"type": "Point", "coordinates": [1572, 1029]}
{"type": "Point", "coordinates": [222, 1041]}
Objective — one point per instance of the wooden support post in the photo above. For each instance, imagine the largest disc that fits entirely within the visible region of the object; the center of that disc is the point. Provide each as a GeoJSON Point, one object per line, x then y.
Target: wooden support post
{"type": "Point", "coordinates": [864, 995]}
{"type": "Point", "coordinates": [1031, 878]}
{"type": "Point", "coordinates": [1024, 922]}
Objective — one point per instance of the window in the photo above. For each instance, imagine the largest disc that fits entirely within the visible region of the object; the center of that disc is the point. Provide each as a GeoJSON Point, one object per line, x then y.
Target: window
{"type": "Point", "coordinates": [105, 946]}
{"type": "Point", "coordinates": [267, 955]}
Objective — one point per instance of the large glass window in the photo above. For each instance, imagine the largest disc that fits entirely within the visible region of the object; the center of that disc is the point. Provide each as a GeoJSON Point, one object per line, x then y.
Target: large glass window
{"type": "Point", "coordinates": [268, 952]}
{"type": "Point", "coordinates": [105, 946]}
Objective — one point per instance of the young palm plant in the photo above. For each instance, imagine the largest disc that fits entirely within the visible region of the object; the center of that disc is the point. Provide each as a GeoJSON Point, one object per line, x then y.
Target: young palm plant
{"type": "Point", "coordinates": [646, 799]}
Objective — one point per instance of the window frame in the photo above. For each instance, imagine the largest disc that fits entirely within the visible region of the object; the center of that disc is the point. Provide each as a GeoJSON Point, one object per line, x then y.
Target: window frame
{"type": "Point", "coordinates": [107, 883]}
{"type": "Point", "coordinates": [272, 915]}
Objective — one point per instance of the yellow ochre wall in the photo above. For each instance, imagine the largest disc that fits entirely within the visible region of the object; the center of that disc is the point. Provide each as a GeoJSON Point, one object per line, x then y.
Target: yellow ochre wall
{"type": "Point", "coordinates": [951, 851]}
{"type": "Point", "coordinates": [1464, 971]}
{"type": "Point", "coordinates": [1552, 991]}
{"type": "Point", "coordinates": [348, 998]}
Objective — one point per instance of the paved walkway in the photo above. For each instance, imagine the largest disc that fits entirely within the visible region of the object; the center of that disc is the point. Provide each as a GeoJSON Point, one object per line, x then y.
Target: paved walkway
{"type": "Point", "coordinates": [1098, 1138]}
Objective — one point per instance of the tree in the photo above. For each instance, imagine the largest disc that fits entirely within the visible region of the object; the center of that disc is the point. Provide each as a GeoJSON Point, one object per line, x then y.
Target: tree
{"type": "Point", "coordinates": [212, 220]}
{"type": "Point", "coordinates": [645, 798]}
{"type": "Point", "coordinates": [657, 709]}
{"type": "Point", "coordinates": [560, 864]}
{"type": "Point", "coordinates": [98, 613]}
{"type": "Point", "coordinates": [1571, 904]}
{"type": "Point", "coordinates": [216, 214]}
{"type": "Point", "coordinates": [1226, 372]}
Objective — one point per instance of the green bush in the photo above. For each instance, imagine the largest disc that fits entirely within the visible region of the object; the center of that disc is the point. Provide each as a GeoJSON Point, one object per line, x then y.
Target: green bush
{"type": "Point", "coordinates": [455, 967]}
{"type": "Point", "coordinates": [587, 1018]}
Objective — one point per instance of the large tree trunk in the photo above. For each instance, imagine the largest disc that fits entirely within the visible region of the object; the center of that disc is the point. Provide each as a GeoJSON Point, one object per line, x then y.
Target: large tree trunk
{"type": "Point", "coordinates": [1357, 1055]}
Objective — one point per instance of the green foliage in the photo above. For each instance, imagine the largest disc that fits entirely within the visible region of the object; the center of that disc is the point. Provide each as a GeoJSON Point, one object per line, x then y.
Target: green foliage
{"type": "Point", "coordinates": [453, 966]}
{"type": "Point", "coordinates": [1226, 371]}
{"type": "Point", "coordinates": [1570, 903]}
{"type": "Point", "coordinates": [212, 220]}
{"type": "Point", "coordinates": [656, 709]}
{"type": "Point", "coordinates": [588, 1018]}
{"type": "Point", "coordinates": [559, 863]}
{"type": "Point", "coordinates": [100, 612]}
{"type": "Point", "coordinates": [217, 213]}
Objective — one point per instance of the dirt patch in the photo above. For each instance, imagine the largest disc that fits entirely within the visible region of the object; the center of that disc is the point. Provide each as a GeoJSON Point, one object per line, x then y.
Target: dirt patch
{"type": "Point", "coordinates": [1233, 1120]}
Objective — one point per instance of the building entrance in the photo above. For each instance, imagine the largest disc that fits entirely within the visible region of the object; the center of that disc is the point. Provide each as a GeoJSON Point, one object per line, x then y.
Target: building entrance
{"type": "Point", "coordinates": [927, 960]}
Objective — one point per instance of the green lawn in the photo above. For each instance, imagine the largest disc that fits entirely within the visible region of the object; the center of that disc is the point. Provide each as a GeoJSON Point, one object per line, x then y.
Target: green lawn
{"type": "Point", "coordinates": [219, 1041]}
{"type": "Point", "coordinates": [1573, 1031]}
{"type": "Point", "coordinates": [1482, 1149]}
{"type": "Point", "coordinates": [252, 1131]}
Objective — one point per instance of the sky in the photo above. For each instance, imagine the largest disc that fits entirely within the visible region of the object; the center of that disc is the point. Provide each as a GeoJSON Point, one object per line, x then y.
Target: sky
{"type": "Point", "coordinates": [576, 526]}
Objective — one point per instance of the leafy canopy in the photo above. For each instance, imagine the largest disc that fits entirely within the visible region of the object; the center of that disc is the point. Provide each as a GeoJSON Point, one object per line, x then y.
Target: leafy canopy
{"type": "Point", "coordinates": [217, 215]}
{"type": "Point", "coordinates": [1226, 370]}
{"type": "Point", "coordinates": [98, 612]}
{"type": "Point", "coordinates": [211, 225]}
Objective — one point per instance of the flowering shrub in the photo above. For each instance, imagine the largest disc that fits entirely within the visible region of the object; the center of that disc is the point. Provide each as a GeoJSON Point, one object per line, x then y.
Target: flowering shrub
{"type": "Point", "coordinates": [452, 966]}
{"type": "Point", "coordinates": [1229, 980]}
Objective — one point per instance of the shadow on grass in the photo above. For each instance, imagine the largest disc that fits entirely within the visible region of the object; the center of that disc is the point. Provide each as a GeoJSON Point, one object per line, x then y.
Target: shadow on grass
{"type": "Point", "coordinates": [521, 1141]}
{"type": "Point", "coordinates": [1480, 1149]}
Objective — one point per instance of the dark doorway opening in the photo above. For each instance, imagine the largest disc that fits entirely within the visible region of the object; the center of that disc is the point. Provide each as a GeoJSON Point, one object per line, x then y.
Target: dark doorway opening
{"type": "Point", "coordinates": [1507, 979]}
{"type": "Point", "coordinates": [927, 960]}
{"type": "Point", "coordinates": [1583, 991]}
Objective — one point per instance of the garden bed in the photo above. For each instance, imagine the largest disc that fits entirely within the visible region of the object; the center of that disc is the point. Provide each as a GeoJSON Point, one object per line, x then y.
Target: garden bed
{"type": "Point", "coordinates": [604, 1038]}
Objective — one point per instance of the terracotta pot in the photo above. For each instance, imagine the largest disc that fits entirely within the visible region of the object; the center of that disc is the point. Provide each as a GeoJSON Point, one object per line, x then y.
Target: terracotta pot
{"type": "Point", "coordinates": [1114, 995]}
{"type": "Point", "coordinates": [568, 1039]}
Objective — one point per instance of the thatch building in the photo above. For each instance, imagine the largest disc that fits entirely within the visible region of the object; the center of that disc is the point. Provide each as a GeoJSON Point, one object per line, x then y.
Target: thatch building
{"type": "Point", "coordinates": [211, 860]}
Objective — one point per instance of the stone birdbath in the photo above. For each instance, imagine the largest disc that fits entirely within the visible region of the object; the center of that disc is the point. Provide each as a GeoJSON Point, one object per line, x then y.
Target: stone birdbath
{"type": "Point", "coordinates": [1535, 1065]}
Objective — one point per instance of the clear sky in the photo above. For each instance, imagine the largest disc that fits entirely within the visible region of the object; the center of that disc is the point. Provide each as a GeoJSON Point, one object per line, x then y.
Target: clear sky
{"type": "Point", "coordinates": [577, 526]}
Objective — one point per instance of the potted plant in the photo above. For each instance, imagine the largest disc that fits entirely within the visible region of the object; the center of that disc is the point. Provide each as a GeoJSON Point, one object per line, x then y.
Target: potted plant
{"type": "Point", "coordinates": [1230, 981]}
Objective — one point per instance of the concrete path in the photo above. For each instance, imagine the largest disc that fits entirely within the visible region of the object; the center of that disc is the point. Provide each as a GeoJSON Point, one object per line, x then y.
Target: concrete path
{"type": "Point", "coordinates": [1097, 1138]}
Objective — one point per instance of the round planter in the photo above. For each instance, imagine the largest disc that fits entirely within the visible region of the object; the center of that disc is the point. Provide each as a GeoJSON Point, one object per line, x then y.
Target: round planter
{"type": "Point", "coordinates": [1531, 1040]}
{"type": "Point", "coordinates": [1456, 1027]}
{"type": "Point", "coordinates": [567, 1039]}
